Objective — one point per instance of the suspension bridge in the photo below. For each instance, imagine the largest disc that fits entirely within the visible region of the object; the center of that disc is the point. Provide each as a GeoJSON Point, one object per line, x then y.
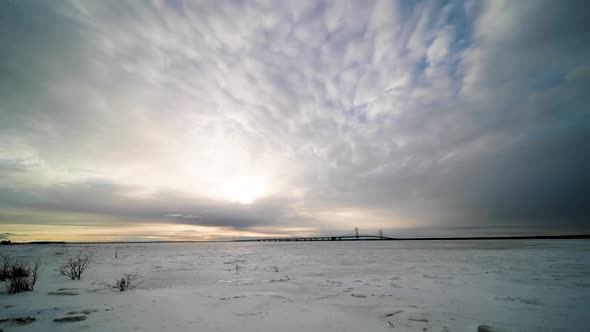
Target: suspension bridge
{"type": "Point", "coordinates": [355, 237]}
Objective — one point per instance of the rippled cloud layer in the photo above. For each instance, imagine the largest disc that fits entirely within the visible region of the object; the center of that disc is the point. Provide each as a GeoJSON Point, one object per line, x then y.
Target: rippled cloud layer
{"type": "Point", "coordinates": [296, 116]}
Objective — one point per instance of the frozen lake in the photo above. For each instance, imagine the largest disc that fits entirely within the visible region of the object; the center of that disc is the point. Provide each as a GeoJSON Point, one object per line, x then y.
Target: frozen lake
{"type": "Point", "coordinates": [524, 285]}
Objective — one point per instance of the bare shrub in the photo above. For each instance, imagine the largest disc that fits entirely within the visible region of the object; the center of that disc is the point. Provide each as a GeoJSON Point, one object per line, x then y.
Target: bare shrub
{"type": "Point", "coordinates": [21, 277]}
{"type": "Point", "coordinates": [63, 251]}
{"type": "Point", "coordinates": [127, 281]}
{"type": "Point", "coordinates": [236, 268]}
{"type": "Point", "coordinates": [75, 266]}
{"type": "Point", "coordinates": [5, 264]}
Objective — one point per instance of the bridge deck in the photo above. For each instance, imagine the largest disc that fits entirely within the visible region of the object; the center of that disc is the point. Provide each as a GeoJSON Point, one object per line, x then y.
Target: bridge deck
{"type": "Point", "coordinates": [384, 238]}
{"type": "Point", "coordinates": [321, 238]}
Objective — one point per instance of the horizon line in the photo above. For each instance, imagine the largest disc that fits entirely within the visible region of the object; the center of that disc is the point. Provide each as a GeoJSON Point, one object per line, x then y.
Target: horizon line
{"type": "Point", "coordinates": [298, 239]}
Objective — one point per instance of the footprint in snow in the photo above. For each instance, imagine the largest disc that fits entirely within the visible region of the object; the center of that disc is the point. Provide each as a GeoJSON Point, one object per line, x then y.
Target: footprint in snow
{"type": "Point", "coordinates": [519, 299]}
{"type": "Point", "coordinates": [392, 313]}
{"type": "Point", "coordinates": [70, 293]}
{"type": "Point", "coordinates": [84, 311]}
{"type": "Point", "coordinates": [70, 319]}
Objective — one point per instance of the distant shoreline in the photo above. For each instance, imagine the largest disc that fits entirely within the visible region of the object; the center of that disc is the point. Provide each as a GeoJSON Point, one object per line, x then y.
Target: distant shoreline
{"type": "Point", "coordinates": [376, 238]}
{"type": "Point", "coordinates": [301, 239]}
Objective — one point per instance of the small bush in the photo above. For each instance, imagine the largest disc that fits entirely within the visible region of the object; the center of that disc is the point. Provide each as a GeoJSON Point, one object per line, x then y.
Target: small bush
{"type": "Point", "coordinates": [75, 266]}
{"type": "Point", "coordinates": [127, 281]}
{"type": "Point", "coordinates": [63, 251]}
{"type": "Point", "coordinates": [21, 277]}
{"type": "Point", "coordinates": [5, 264]}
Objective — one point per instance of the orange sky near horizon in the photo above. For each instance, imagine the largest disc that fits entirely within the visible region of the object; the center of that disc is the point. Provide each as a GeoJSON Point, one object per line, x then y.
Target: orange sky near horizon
{"type": "Point", "coordinates": [134, 232]}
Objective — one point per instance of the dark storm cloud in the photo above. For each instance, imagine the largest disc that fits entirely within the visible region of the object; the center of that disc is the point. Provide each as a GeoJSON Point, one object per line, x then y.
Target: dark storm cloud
{"type": "Point", "coordinates": [6, 235]}
{"type": "Point", "coordinates": [450, 114]}
{"type": "Point", "coordinates": [103, 198]}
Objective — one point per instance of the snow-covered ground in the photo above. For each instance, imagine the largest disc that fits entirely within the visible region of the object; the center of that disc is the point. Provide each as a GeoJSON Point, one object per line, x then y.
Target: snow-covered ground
{"type": "Point", "coordinates": [320, 286]}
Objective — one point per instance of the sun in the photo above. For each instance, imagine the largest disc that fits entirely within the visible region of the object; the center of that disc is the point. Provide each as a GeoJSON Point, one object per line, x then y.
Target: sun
{"type": "Point", "coordinates": [244, 190]}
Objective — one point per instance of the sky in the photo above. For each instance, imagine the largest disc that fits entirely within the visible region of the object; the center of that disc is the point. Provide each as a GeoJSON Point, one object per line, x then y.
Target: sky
{"type": "Point", "coordinates": [201, 120]}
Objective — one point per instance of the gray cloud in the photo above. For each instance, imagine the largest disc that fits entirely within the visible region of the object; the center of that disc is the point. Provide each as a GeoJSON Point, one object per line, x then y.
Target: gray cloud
{"type": "Point", "coordinates": [449, 114]}
{"type": "Point", "coordinates": [101, 198]}
{"type": "Point", "coordinates": [6, 235]}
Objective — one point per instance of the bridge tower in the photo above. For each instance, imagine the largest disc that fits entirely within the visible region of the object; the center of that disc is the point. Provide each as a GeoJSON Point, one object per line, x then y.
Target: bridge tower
{"type": "Point", "coordinates": [356, 232]}
{"type": "Point", "coordinates": [380, 234]}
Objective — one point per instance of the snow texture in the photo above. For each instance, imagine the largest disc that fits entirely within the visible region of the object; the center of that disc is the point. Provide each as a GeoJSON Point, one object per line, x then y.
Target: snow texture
{"type": "Point", "coordinates": [322, 286]}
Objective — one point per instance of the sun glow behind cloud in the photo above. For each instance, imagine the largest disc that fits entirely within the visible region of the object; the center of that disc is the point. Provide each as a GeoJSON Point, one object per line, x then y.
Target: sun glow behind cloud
{"type": "Point", "coordinates": [244, 190]}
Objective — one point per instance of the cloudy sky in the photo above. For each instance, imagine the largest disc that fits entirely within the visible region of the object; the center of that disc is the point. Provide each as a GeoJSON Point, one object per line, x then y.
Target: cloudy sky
{"type": "Point", "coordinates": [191, 120]}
